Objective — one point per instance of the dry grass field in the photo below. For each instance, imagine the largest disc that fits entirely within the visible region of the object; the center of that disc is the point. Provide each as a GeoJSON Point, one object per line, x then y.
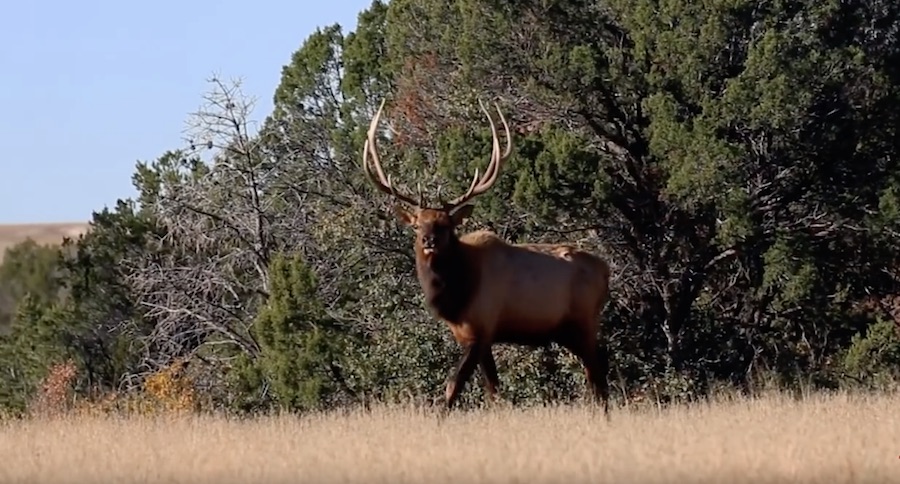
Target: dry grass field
{"type": "Point", "coordinates": [49, 233]}
{"type": "Point", "coordinates": [837, 439]}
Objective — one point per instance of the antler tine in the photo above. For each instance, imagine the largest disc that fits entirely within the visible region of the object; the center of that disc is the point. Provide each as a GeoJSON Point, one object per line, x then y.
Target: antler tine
{"type": "Point", "coordinates": [491, 173]}
{"type": "Point", "coordinates": [378, 179]}
{"type": "Point", "coordinates": [496, 158]}
{"type": "Point", "coordinates": [477, 186]}
{"type": "Point", "coordinates": [508, 150]}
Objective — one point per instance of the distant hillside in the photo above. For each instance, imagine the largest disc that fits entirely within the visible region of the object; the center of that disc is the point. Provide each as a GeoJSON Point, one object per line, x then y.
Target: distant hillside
{"type": "Point", "coordinates": [50, 233]}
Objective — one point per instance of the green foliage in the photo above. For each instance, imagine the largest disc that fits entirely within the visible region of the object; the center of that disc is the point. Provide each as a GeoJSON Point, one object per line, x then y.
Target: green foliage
{"type": "Point", "coordinates": [39, 337]}
{"type": "Point", "coordinates": [28, 269]}
{"type": "Point", "coordinates": [873, 358]}
{"type": "Point", "coordinates": [735, 162]}
{"type": "Point", "coordinates": [31, 269]}
{"type": "Point", "coordinates": [300, 353]}
{"type": "Point", "coordinates": [363, 54]}
{"type": "Point", "coordinates": [100, 302]}
{"type": "Point", "coordinates": [729, 151]}
{"type": "Point", "coordinates": [73, 304]}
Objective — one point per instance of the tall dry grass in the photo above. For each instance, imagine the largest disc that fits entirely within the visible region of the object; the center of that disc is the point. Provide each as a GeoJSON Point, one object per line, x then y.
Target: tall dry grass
{"type": "Point", "coordinates": [773, 439]}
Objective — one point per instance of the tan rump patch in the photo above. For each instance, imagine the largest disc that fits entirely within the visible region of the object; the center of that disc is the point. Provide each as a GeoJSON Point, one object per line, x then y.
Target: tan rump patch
{"type": "Point", "coordinates": [566, 253]}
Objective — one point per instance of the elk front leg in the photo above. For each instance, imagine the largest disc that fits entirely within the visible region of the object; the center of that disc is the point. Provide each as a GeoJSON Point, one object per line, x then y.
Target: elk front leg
{"type": "Point", "coordinates": [462, 373]}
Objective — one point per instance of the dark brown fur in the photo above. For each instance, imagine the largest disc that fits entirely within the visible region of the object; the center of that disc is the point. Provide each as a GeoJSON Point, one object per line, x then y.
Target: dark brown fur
{"type": "Point", "coordinates": [448, 282]}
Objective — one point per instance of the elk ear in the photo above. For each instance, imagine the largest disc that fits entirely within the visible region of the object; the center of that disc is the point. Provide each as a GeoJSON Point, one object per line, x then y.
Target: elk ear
{"type": "Point", "coordinates": [405, 216]}
{"type": "Point", "coordinates": [461, 214]}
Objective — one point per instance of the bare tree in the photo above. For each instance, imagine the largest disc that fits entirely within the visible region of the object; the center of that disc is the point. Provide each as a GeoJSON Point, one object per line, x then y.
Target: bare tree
{"type": "Point", "coordinates": [220, 233]}
{"type": "Point", "coordinates": [238, 196]}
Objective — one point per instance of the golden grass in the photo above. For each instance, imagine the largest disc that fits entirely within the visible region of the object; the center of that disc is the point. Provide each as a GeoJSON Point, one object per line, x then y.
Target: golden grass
{"type": "Point", "coordinates": [47, 233]}
{"type": "Point", "coordinates": [773, 439]}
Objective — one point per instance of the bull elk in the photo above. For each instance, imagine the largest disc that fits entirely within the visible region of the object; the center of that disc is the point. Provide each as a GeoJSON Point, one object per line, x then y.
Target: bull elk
{"type": "Point", "coordinates": [489, 291]}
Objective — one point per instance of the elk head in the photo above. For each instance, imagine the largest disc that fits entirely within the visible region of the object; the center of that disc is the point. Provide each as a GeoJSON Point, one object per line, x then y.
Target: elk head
{"type": "Point", "coordinates": [435, 226]}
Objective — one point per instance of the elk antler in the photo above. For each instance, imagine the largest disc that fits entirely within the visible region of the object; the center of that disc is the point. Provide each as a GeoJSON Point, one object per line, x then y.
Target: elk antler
{"type": "Point", "coordinates": [381, 182]}
{"type": "Point", "coordinates": [477, 187]}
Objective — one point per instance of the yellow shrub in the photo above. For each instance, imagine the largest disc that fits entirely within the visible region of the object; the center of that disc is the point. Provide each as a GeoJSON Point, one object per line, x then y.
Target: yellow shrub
{"type": "Point", "coordinates": [169, 390]}
{"type": "Point", "coordinates": [166, 391]}
{"type": "Point", "coordinates": [55, 394]}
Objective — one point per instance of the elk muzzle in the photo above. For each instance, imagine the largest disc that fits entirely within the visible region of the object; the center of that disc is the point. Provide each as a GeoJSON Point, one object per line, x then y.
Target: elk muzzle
{"type": "Point", "coordinates": [428, 244]}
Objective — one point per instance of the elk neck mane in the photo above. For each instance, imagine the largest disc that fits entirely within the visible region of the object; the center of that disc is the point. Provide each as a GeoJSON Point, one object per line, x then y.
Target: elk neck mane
{"type": "Point", "coordinates": [449, 280]}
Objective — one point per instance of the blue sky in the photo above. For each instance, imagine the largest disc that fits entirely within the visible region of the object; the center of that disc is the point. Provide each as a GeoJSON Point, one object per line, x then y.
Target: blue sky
{"type": "Point", "coordinates": [89, 88]}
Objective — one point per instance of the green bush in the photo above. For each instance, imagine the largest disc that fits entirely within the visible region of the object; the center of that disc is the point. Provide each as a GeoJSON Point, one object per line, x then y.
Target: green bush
{"type": "Point", "coordinates": [873, 359]}
{"type": "Point", "coordinates": [301, 349]}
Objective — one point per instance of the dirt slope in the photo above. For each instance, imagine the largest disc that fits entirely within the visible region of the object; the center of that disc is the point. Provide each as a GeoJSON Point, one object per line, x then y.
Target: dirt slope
{"type": "Point", "coordinates": [47, 233]}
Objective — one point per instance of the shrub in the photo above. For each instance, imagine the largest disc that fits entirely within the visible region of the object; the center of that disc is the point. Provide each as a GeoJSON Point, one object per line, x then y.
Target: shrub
{"type": "Point", "coordinates": [169, 390]}
{"type": "Point", "coordinates": [873, 359]}
{"type": "Point", "coordinates": [55, 394]}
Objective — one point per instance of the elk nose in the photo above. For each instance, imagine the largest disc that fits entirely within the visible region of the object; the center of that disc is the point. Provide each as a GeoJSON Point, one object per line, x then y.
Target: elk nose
{"type": "Point", "coordinates": [428, 241]}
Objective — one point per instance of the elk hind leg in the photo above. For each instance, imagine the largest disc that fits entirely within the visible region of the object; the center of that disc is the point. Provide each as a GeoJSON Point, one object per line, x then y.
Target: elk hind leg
{"type": "Point", "coordinates": [594, 358]}
{"type": "Point", "coordinates": [601, 376]}
{"type": "Point", "coordinates": [489, 371]}
{"type": "Point", "coordinates": [596, 367]}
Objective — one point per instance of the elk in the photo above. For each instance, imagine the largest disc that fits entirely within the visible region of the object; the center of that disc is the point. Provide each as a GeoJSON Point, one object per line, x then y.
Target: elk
{"type": "Point", "coordinates": [488, 291]}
